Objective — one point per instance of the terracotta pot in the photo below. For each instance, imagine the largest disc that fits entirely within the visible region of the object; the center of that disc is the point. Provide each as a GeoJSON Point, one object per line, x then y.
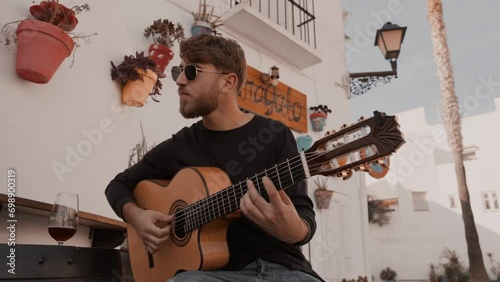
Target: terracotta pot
{"type": "Point", "coordinates": [136, 92]}
{"type": "Point", "coordinates": [162, 55]}
{"type": "Point", "coordinates": [318, 121]}
{"type": "Point", "coordinates": [41, 48]}
{"type": "Point", "coordinates": [201, 27]}
{"type": "Point", "coordinates": [323, 198]}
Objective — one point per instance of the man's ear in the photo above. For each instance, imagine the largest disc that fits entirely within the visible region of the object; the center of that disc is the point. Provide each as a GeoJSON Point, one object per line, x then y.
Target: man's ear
{"type": "Point", "coordinates": [229, 83]}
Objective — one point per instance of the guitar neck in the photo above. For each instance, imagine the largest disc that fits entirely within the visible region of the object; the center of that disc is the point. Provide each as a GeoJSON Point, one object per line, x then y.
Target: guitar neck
{"type": "Point", "coordinates": [352, 148]}
{"type": "Point", "coordinates": [226, 201]}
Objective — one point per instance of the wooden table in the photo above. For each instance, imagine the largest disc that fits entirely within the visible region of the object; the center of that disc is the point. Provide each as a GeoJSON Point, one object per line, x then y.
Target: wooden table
{"type": "Point", "coordinates": [106, 232]}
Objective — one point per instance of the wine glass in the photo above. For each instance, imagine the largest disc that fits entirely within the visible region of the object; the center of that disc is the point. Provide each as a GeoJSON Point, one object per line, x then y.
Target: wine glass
{"type": "Point", "coordinates": [63, 219]}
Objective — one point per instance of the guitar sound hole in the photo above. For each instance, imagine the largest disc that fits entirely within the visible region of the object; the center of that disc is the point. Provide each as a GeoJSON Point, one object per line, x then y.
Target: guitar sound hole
{"type": "Point", "coordinates": [179, 230]}
{"type": "Point", "coordinates": [180, 235]}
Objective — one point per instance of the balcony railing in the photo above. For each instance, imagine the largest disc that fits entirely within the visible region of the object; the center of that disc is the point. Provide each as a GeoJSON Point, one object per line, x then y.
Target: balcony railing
{"type": "Point", "coordinates": [297, 17]}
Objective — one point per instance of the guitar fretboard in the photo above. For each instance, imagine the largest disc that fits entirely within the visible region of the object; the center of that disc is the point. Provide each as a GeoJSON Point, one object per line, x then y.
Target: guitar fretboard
{"type": "Point", "coordinates": [226, 201]}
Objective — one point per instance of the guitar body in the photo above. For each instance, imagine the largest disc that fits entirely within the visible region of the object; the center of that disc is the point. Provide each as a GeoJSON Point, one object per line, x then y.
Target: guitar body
{"type": "Point", "coordinates": [202, 249]}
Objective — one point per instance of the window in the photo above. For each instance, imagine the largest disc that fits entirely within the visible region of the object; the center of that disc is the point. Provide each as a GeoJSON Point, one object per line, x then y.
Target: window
{"type": "Point", "coordinates": [453, 201]}
{"type": "Point", "coordinates": [490, 201]}
{"type": "Point", "coordinates": [420, 201]}
{"type": "Point", "coordinates": [469, 152]}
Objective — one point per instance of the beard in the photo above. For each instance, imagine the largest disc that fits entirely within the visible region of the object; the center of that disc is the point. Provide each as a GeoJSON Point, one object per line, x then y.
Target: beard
{"type": "Point", "coordinates": [202, 105]}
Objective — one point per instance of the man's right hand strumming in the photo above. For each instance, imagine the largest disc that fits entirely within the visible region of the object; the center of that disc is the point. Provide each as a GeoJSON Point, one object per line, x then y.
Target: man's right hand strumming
{"type": "Point", "coordinates": [152, 227]}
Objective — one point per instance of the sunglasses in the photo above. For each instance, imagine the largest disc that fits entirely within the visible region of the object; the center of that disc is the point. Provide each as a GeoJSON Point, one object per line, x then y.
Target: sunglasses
{"type": "Point", "coordinates": [190, 71]}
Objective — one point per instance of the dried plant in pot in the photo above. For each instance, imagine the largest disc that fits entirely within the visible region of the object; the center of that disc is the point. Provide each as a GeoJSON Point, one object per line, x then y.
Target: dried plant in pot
{"type": "Point", "coordinates": [388, 274]}
{"type": "Point", "coordinates": [138, 78]}
{"type": "Point", "coordinates": [434, 272]}
{"type": "Point", "coordinates": [495, 267]}
{"type": "Point", "coordinates": [44, 40]}
{"type": "Point", "coordinates": [318, 116]}
{"type": "Point", "coordinates": [204, 20]}
{"type": "Point", "coordinates": [164, 33]}
{"type": "Point", "coordinates": [322, 195]}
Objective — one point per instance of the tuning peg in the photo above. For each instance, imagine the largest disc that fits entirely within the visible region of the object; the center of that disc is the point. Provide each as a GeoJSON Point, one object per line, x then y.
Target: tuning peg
{"type": "Point", "coordinates": [363, 168]}
{"type": "Point", "coordinates": [330, 132]}
{"type": "Point", "coordinates": [380, 162]}
{"type": "Point", "coordinates": [349, 174]}
{"type": "Point", "coordinates": [361, 118]}
{"type": "Point", "coordinates": [343, 126]}
{"type": "Point", "coordinates": [345, 174]}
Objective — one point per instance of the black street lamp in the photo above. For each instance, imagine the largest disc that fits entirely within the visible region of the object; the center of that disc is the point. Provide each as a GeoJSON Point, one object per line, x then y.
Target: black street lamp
{"type": "Point", "coordinates": [388, 39]}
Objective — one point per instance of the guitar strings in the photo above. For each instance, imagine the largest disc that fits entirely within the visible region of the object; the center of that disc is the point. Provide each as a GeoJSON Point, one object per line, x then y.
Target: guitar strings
{"type": "Point", "coordinates": [191, 214]}
{"type": "Point", "coordinates": [197, 207]}
{"type": "Point", "coordinates": [194, 210]}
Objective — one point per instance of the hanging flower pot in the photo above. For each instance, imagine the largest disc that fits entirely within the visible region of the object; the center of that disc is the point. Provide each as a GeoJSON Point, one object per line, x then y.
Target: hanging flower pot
{"type": "Point", "coordinates": [41, 48]}
{"type": "Point", "coordinates": [379, 170]}
{"type": "Point", "coordinates": [318, 116]}
{"type": "Point", "coordinates": [138, 78]}
{"type": "Point", "coordinates": [322, 194]}
{"type": "Point", "coordinates": [205, 21]}
{"type": "Point", "coordinates": [43, 41]}
{"type": "Point", "coordinates": [164, 33]}
{"type": "Point", "coordinates": [323, 198]}
{"type": "Point", "coordinates": [136, 92]}
{"type": "Point", "coordinates": [318, 121]}
{"type": "Point", "coordinates": [162, 55]}
{"type": "Point", "coordinates": [201, 27]}
{"type": "Point", "coordinates": [304, 142]}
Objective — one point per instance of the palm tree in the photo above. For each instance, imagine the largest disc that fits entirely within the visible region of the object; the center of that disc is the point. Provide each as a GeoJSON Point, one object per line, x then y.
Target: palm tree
{"type": "Point", "coordinates": [452, 122]}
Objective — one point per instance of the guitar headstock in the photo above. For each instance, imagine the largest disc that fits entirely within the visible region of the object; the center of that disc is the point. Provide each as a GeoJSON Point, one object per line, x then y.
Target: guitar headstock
{"type": "Point", "coordinates": [355, 147]}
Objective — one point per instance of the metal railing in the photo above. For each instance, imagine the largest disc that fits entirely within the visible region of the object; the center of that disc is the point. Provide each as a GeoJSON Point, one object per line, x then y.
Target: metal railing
{"type": "Point", "coordinates": [296, 17]}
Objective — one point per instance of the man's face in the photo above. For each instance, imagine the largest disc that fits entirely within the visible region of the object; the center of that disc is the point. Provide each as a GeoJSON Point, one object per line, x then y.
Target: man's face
{"type": "Point", "coordinates": [198, 96]}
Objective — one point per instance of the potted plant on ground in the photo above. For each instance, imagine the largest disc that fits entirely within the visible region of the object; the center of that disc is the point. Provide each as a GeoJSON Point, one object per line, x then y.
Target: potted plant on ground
{"type": "Point", "coordinates": [322, 194]}
{"type": "Point", "coordinates": [495, 267]}
{"type": "Point", "coordinates": [433, 273]}
{"type": "Point", "coordinates": [453, 268]}
{"type": "Point", "coordinates": [388, 274]}
{"type": "Point", "coordinates": [164, 33]}
{"type": "Point", "coordinates": [204, 20]}
{"type": "Point", "coordinates": [138, 78]}
{"type": "Point", "coordinates": [43, 40]}
{"type": "Point", "coordinates": [318, 116]}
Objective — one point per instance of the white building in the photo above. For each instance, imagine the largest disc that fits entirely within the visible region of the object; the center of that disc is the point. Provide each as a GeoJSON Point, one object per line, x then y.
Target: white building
{"type": "Point", "coordinates": [427, 216]}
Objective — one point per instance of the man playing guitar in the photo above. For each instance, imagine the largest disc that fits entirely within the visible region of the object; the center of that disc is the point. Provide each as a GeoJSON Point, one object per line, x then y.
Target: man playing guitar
{"type": "Point", "coordinates": [264, 237]}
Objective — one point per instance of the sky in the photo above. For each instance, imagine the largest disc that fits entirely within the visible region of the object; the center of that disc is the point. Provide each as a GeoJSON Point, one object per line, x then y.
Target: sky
{"type": "Point", "coordinates": [473, 30]}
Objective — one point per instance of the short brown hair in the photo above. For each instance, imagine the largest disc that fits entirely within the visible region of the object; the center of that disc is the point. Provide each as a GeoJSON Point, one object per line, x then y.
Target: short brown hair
{"type": "Point", "coordinates": [224, 53]}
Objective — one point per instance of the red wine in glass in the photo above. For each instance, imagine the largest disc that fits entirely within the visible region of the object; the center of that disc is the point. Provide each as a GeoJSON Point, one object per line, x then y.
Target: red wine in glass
{"type": "Point", "coordinates": [63, 220]}
{"type": "Point", "coordinates": [61, 234]}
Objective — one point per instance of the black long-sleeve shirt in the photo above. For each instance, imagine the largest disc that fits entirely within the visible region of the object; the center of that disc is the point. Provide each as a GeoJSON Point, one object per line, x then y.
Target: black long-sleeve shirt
{"type": "Point", "coordinates": [242, 153]}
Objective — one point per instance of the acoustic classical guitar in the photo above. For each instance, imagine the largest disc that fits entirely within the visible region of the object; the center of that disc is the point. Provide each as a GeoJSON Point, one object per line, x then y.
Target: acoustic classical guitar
{"type": "Point", "coordinates": [202, 199]}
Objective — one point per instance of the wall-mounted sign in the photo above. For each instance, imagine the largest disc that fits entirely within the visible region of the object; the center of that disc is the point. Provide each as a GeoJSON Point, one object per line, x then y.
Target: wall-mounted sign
{"type": "Point", "coordinates": [280, 102]}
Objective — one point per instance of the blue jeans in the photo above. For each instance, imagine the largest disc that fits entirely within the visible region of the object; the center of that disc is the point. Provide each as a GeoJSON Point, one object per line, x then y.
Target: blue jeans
{"type": "Point", "coordinates": [257, 271]}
